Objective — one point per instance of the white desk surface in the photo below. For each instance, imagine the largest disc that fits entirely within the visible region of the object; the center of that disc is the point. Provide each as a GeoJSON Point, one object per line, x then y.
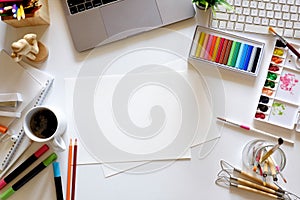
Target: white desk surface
{"type": "Point", "coordinates": [192, 179]}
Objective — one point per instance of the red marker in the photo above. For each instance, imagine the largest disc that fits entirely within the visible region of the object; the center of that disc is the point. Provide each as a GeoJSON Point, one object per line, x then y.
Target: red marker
{"type": "Point", "coordinates": [23, 166]}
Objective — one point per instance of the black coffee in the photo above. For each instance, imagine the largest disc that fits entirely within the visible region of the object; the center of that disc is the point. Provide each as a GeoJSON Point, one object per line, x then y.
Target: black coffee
{"type": "Point", "coordinates": [43, 123]}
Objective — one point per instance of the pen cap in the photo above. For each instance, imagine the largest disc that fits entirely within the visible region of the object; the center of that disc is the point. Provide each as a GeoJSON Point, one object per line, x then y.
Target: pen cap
{"type": "Point", "coordinates": [7, 194]}
{"type": "Point", "coordinates": [56, 169]}
{"type": "Point", "coordinates": [50, 159]}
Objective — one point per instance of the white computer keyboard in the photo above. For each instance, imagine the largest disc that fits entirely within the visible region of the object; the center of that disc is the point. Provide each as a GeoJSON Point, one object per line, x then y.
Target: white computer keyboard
{"type": "Point", "coordinates": [255, 16]}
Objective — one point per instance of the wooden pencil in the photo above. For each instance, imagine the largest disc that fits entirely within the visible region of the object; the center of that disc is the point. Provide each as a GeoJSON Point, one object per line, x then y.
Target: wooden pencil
{"type": "Point", "coordinates": [74, 170]}
{"type": "Point", "coordinates": [69, 171]}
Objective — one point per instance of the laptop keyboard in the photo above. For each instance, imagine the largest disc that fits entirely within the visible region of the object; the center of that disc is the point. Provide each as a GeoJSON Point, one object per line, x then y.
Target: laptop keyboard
{"type": "Point", "coordinates": [76, 6]}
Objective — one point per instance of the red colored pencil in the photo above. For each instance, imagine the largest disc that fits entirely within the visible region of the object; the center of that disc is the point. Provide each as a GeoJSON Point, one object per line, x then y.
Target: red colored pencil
{"type": "Point", "coordinates": [74, 170]}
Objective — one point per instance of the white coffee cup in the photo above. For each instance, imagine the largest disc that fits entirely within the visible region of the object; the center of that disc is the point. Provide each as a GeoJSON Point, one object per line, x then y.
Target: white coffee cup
{"type": "Point", "coordinates": [44, 124]}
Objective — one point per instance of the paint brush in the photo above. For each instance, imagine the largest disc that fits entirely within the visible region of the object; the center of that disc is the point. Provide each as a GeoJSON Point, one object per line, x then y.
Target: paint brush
{"type": "Point", "coordinates": [285, 42]}
{"type": "Point", "coordinates": [248, 128]}
{"type": "Point", "coordinates": [272, 150]}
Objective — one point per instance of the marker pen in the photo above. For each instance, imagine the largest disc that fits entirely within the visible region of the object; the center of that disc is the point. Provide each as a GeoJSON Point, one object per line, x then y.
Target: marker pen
{"type": "Point", "coordinates": [5, 195]}
{"type": "Point", "coordinates": [23, 166]}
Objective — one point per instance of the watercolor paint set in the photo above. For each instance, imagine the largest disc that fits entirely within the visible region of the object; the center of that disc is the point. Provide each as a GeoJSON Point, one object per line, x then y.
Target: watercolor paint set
{"type": "Point", "coordinates": [227, 50]}
{"type": "Point", "coordinates": [280, 96]}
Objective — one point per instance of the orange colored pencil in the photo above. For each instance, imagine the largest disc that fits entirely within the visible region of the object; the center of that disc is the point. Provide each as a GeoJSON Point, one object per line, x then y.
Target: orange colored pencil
{"type": "Point", "coordinates": [74, 170]}
{"type": "Point", "coordinates": [69, 171]}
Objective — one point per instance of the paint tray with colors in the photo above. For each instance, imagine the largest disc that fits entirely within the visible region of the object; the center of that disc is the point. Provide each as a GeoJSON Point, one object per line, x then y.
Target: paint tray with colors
{"type": "Point", "coordinates": [227, 50]}
{"type": "Point", "coordinates": [280, 96]}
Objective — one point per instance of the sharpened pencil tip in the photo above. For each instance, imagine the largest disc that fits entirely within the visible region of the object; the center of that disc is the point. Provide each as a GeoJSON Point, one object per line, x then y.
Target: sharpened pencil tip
{"type": "Point", "coordinates": [222, 119]}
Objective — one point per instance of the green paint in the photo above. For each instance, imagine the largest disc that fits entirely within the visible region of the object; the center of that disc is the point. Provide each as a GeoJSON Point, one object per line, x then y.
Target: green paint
{"type": "Point", "coordinates": [278, 108]}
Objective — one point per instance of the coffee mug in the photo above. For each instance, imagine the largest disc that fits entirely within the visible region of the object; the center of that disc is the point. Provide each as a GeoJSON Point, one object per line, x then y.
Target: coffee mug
{"type": "Point", "coordinates": [44, 124]}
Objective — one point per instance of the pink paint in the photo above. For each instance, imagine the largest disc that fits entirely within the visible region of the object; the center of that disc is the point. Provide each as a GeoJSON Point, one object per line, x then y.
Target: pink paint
{"type": "Point", "coordinates": [288, 81]}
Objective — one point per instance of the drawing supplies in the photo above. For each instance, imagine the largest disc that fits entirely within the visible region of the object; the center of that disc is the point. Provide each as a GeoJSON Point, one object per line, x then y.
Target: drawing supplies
{"type": "Point", "coordinates": [249, 176]}
{"type": "Point", "coordinates": [250, 189]}
{"type": "Point", "coordinates": [248, 128]}
{"type": "Point", "coordinates": [57, 181]}
{"type": "Point", "coordinates": [227, 50]}
{"type": "Point", "coordinates": [25, 179]}
{"type": "Point", "coordinates": [34, 85]}
{"type": "Point", "coordinates": [70, 154]}
{"type": "Point", "coordinates": [280, 91]}
{"type": "Point", "coordinates": [289, 45]}
{"type": "Point", "coordinates": [74, 170]}
{"type": "Point", "coordinates": [23, 166]}
{"type": "Point", "coordinates": [272, 150]}
{"type": "Point", "coordinates": [280, 174]}
{"type": "Point", "coordinates": [272, 168]}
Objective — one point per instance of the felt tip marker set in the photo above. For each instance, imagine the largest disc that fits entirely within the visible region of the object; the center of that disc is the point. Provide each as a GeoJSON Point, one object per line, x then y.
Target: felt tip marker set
{"type": "Point", "coordinates": [227, 50]}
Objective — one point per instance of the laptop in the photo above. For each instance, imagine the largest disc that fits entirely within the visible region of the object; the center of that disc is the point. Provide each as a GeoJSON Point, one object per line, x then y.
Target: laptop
{"type": "Point", "coordinates": [94, 23]}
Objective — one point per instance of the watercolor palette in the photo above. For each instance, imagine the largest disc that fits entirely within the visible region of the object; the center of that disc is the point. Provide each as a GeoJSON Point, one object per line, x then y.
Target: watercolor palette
{"type": "Point", "coordinates": [280, 97]}
{"type": "Point", "coordinates": [227, 50]}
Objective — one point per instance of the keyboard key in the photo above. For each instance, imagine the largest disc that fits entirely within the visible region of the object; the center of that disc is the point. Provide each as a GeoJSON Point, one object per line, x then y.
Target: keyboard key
{"type": "Point", "coordinates": [73, 10]}
{"type": "Point", "coordinates": [249, 19]}
{"type": "Point", "coordinates": [297, 34]}
{"type": "Point", "coordinates": [294, 17]}
{"type": "Point", "coordinates": [265, 21]}
{"type": "Point", "coordinates": [278, 15]}
{"type": "Point", "coordinates": [222, 24]}
{"type": "Point", "coordinates": [88, 5]}
{"type": "Point", "coordinates": [222, 16]}
{"type": "Point", "coordinates": [261, 5]}
{"type": "Point", "coordinates": [246, 11]}
{"type": "Point", "coordinates": [289, 24]}
{"type": "Point", "coordinates": [288, 33]}
{"type": "Point", "coordinates": [214, 23]}
{"type": "Point", "coordinates": [286, 16]}
{"type": "Point", "coordinates": [245, 3]}
{"type": "Point", "coordinates": [270, 14]}
{"type": "Point", "coordinates": [96, 3]}
{"type": "Point", "coordinates": [273, 22]}
{"type": "Point", "coordinates": [297, 25]}
{"type": "Point", "coordinates": [269, 6]}
{"type": "Point", "coordinates": [239, 26]}
{"type": "Point", "coordinates": [256, 29]}
{"type": "Point", "coordinates": [230, 26]}
{"type": "Point", "coordinates": [256, 20]}
{"type": "Point", "coordinates": [81, 8]}
{"type": "Point", "coordinates": [280, 23]}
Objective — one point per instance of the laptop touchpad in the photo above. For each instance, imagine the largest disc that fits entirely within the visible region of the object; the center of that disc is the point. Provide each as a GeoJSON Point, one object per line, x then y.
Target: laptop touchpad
{"type": "Point", "coordinates": [130, 16]}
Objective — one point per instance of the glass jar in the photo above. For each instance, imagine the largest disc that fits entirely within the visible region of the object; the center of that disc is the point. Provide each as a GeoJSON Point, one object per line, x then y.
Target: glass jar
{"type": "Point", "coordinates": [257, 149]}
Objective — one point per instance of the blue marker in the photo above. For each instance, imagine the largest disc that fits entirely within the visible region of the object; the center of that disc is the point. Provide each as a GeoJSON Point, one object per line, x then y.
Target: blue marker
{"type": "Point", "coordinates": [57, 181]}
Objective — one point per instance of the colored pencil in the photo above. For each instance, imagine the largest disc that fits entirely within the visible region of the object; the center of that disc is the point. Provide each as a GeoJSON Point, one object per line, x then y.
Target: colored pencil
{"type": "Point", "coordinates": [23, 166]}
{"type": "Point", "coordinates": [68, 191]}
{"type": "Point", "coordinates": [74, 170]}
{"type": "Point", "coordinates": [248, 128]}
{"type": "Point", "coordinates": [25, 179]}
{"type": "Point", "coordinates": [57, 181]}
